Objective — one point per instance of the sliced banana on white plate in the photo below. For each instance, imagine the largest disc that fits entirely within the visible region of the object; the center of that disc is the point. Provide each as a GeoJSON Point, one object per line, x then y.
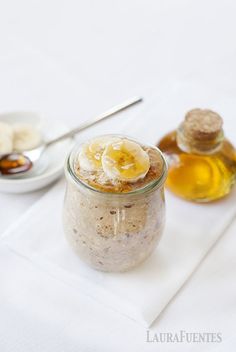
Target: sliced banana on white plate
{"type": "Point", "coordinates": [90, 156]}
{"type": "Point", "coordinates": [25, 137]}
{"type": "Point", "coordinates": [125, 160]}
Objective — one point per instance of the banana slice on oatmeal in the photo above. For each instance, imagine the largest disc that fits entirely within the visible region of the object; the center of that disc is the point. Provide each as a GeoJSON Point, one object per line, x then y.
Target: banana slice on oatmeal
{"type": "Point", "coordinates": [90, 156]}
{"type": "Point", "coordinates": [125, 160]}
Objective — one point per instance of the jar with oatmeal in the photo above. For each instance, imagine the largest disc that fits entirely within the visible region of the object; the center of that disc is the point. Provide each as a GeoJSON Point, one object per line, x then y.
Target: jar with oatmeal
{"type": "Point", "coordinates": [114, 208]}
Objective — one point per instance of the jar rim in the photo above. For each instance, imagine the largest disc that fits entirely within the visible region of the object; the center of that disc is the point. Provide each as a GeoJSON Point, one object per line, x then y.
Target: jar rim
{"type": "Point", "coordinates": [156, 183]}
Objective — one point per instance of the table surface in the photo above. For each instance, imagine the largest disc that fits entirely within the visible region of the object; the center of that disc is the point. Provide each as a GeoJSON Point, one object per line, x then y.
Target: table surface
{"type": "Point", "coordinates": [105, 52]}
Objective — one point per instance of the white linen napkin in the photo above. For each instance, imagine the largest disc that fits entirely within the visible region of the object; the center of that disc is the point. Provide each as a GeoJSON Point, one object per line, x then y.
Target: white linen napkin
{"type": "Point", "coordinates": [141, 294]}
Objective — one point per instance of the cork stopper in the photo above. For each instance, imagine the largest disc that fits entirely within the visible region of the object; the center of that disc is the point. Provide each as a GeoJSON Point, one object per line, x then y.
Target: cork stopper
{"type": "Point", "coordinates": [202, 125]}
{"type": "Point", "coordinates": [201, 131]}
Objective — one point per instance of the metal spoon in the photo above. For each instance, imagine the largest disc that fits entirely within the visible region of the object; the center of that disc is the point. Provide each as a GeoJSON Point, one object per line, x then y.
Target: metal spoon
{"type": "Point", "coordinates": [21, 163]}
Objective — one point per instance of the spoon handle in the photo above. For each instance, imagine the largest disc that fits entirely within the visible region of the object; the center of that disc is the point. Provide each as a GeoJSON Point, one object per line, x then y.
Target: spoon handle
{"type": "Point", "coordinates": [97, 119]}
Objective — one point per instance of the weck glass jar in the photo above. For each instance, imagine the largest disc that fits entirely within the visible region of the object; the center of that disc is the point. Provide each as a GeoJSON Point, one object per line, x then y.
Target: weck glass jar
{"type": "Point", "coordinates": [114, 226]}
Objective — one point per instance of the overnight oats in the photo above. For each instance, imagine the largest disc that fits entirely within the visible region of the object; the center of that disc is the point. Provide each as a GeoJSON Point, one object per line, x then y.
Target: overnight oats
{"type": "Point", "coordinates": [114, 208]}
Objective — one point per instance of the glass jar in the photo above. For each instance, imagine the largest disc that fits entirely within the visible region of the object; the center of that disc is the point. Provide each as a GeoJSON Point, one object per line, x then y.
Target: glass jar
{"type": "Point", "coordinates": [113, 232]}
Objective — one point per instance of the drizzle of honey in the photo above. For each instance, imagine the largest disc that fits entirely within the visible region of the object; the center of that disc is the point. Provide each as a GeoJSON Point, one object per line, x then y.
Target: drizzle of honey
{"type": "Point", "coordinates": [15, 163]}
{"type": "Point", "coordinates": [199, 177]}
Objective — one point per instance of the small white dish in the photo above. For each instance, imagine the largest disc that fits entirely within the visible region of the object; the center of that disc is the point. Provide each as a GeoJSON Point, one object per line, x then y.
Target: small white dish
{"type": "Point", "coordinates": [50, 166]}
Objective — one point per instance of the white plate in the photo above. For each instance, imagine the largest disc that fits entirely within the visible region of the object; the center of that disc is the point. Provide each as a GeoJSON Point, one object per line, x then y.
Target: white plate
{"type": "Point", "coordinates": [50, 166]}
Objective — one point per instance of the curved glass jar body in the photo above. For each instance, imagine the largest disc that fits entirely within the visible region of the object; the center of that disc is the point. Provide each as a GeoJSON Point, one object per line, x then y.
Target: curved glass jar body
{"type": "Point", "coordinates": [113, 231]}
{"type": "Point", "coordinates": [199, 176]}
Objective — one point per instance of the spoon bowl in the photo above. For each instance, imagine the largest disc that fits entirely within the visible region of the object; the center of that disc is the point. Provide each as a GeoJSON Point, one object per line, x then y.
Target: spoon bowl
{"type": "Point", "coordinates": [18, 164]}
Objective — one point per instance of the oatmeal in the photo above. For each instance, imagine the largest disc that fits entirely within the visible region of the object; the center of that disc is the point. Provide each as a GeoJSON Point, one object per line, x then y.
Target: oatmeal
{"type": "Point", "coordinates": [114, 204]}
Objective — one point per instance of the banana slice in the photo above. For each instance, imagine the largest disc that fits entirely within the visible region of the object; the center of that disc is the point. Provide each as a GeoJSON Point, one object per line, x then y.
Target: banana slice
{"type": "Point", "coordinates": [6, 145]}
{"type": "Point", "coordinates": [6, 129]}
{"type": "Point", "coordinates": [125, 160]}
{"type": "Point", "coordinates": [91, 153]}
{"type": "Point", "coordinates": [6, 135]}
{"type": "Point", "coordinates": [25, 137]}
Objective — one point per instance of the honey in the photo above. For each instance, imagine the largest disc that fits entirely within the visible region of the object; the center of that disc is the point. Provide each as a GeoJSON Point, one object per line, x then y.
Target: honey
{"type": "Point", "coordinates": [14, 163]}
{"type": "Point", "coordinates": [202, 163]}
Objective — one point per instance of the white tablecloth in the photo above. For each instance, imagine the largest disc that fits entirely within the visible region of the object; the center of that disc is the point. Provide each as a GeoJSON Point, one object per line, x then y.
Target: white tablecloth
{"type": "Point", "coordinates": [104, 52]}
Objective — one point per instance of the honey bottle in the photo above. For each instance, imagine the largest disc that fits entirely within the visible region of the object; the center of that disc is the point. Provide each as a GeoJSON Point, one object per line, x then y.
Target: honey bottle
{"type": "Point", "coordinates": [202, 162]}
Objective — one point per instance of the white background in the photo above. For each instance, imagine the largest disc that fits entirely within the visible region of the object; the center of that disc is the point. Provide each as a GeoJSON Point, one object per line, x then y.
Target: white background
{"type": "Point", "coordinates": [70, 60]}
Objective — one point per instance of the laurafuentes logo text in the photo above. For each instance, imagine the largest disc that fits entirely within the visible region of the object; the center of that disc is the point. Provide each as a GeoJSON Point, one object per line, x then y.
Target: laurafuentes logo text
{"type": "Point", "coordinates": [183, 336]}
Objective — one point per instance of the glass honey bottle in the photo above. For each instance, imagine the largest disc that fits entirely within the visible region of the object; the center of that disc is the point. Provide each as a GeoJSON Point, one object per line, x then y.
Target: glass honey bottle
{"type": "Point", "coordinates": [202, 162]}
